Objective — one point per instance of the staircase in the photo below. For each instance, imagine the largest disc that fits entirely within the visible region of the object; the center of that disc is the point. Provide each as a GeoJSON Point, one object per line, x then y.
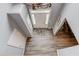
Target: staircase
{"type": "Point", "coordinates": [65, 38]}
{"type": "Point", "coordinates": [66, 34]}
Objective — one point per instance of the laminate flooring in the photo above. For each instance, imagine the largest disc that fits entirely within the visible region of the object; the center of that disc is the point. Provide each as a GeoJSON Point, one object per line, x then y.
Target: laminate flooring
{"type": "Point", "coordinates": [44, 43]}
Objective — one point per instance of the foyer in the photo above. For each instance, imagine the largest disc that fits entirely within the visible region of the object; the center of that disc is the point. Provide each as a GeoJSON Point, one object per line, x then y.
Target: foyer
{"type": "Point", "coordinates": [39, 29]}
{"type": "Point", "coordinates": [44, 43]}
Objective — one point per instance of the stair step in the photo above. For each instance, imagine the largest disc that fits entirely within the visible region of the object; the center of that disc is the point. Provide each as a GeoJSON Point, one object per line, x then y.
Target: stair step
{"type": "Point", "coordinates": [65, 36]}
{"type": "Point", "coordinates": [70, 51]}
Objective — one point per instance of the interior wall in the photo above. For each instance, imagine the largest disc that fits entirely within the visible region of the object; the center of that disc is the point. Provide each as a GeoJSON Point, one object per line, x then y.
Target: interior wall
{"type": "Point", "coordinates": [55, 13]}
{"type": "Point", "coordinates": [5, 32]}
{"type": "Point", "coordinates": [26, 17]}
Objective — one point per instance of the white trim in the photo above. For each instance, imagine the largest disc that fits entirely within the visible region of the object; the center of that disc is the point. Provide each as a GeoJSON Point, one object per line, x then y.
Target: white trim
{"type": "Point", "coordinates": [58, 26]}
{"type": "Point", "coordinates": [33, 19]}
{"type": "Point", "coordinates": [58, 53]}
{"type": "Point", "coordinates": [40, 11]}
{"type": "Point", "coordinates": [47, 18]}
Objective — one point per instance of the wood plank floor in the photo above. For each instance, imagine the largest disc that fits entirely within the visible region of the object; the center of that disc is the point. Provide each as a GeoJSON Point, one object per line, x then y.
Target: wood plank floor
{"type": "Point", "coordinates": [43, 43]}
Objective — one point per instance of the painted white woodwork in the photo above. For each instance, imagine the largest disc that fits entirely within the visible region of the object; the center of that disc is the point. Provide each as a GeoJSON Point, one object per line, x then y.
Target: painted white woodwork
{"type": "Point", "coordinates": [70, 51]}
{"type": "Point", "coordinates": [21, 17]}
{"type": "Point", "coordinates": [47, 18]}
{"type": "Point", "coordinates": [40, 11]}
{"type": "Point", "coordinates": [40, 18]}
{"type": "Point", "coordinates": [58, 26]}
{"type": "Point", "coordinates": [17, 39]}
{"type": "Point", "coordinates": [33, 19]}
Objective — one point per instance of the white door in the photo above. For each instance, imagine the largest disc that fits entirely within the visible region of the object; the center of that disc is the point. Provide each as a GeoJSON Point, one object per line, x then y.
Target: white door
{"type": "Point", "coordinates": [40, 19]}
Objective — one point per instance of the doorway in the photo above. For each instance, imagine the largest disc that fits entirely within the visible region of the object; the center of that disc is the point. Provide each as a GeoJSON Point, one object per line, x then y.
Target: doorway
{"type": "Point", "coordinates": [40, 20]}
{"type": "Point", "coordinates": [40, 13]}
{"type": "Point", "coordinates": [65, 37]}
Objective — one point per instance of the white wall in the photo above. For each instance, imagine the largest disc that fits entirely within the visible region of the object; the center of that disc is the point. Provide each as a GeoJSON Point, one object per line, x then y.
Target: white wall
{"type": "Point", "coordinates": [55, 13]}
{"type": "Point", "coordinates": [27, 20]}
{"type": "Point", "coordinates": [5, 32]}
{"type": "Point", "coordinates": [71, 13]}
{"type": "Point", "coordinates": [20, 16]}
